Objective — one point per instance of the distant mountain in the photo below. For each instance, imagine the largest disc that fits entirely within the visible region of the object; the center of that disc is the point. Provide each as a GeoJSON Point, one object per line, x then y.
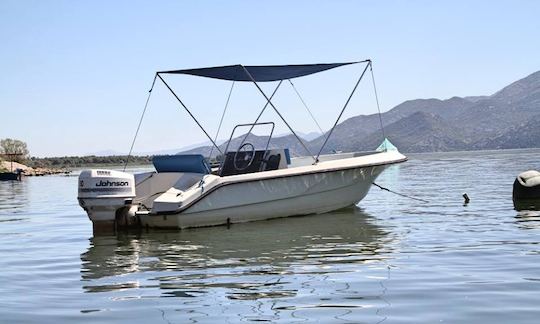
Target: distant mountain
{"type": "Point", "coordinates": [418, 132]}
{"type": "Point", "coordinates": [309, 136]}
{"type": "Point", "coordinates": [505, 119]}
{"type": "Point", "coordinates": [158, 152]}
{"type": "Point", "coordinates": [475, 98]}
{"type": "Point", "coordinates": [288, 141]}
{"type": "Point", "coordinates": [106, 153]}
{"type": "Point", "coordinates": [527, 135]}
{"type": "Point", "coordinates": [509, 118]}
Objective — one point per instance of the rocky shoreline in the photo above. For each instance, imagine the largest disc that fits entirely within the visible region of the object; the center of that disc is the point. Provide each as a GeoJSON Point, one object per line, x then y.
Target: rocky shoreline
{"type": "Point", "coordinates": [44, 171]}
{"type": "Point", "coordinates": [29, 171]}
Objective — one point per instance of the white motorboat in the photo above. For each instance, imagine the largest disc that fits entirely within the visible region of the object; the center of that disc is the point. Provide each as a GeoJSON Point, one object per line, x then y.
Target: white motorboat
{"type": "Point", "coordinates": [250, 184]}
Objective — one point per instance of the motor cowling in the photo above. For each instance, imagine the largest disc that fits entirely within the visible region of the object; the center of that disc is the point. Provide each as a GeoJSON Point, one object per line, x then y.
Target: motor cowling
{"type": "Point", "coordinates": [106, 195]}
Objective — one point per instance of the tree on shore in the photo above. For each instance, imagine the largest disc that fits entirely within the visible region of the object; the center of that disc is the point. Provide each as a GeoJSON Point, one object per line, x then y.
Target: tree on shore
{"type": "Point", "coordinates": [14, 146]}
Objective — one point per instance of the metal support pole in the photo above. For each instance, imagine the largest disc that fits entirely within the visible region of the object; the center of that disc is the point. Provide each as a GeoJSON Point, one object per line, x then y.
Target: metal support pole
{"type": "Point", "coordinates": [189, 112]}
{"type": "Point", "coordinates": [260, 114]}
{"type": "Point", "coordinates": [275, 109]}
{"type": "Point", "coordinates": [342, 110]}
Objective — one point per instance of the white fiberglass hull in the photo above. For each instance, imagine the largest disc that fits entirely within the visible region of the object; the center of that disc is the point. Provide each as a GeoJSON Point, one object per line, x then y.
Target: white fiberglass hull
{"type": "Point", "coordinates": [272, 197]}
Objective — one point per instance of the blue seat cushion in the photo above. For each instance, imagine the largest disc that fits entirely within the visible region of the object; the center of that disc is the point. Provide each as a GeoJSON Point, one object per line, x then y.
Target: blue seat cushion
{"type": "Point", "coordinates": [191, 163]}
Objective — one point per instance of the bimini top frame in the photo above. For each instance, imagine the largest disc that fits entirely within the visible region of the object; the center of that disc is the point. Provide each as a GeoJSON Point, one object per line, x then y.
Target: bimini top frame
{"type": "Point", "coordinates": [256, 74]}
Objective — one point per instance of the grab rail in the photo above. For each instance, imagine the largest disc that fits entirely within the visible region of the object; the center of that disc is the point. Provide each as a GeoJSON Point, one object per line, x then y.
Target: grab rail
{"type": "Point", "coordinates": [245, 137]}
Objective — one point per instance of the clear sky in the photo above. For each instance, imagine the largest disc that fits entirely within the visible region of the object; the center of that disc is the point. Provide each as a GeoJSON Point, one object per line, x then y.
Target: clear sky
{"type": "Point", "coordinates": [75, 74]}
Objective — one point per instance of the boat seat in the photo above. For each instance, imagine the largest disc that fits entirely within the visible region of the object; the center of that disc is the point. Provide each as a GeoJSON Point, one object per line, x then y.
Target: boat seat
{"type": "Point", "coordinates": [228, 165]}
{"type": "Point", "coordinates": [186, 163]}
{"type": "Point", "coordinates": [272, 163]}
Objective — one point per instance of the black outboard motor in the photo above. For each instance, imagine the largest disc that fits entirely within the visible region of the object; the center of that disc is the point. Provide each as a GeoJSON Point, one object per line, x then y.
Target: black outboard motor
{"type": "Point", "coordinates": [526, 193]}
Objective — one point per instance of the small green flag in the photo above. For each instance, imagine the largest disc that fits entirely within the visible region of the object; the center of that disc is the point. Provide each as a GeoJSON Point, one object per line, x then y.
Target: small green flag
{"type": "Point", "coordinates": [386, 146]}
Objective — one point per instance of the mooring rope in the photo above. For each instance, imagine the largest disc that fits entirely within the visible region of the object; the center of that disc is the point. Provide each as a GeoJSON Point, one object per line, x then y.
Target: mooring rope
{"type": "Point", "coordinates": [399, 194]}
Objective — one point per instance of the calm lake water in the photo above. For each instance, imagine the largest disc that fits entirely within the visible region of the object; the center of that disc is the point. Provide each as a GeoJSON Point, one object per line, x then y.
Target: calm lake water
{"type": "Point", "coordinates": [391, 259]}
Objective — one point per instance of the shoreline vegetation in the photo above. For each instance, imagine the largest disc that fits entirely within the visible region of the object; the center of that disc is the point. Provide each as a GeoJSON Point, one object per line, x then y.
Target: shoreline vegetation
{"type": "Point", "coordinates": [76, 162]}
{"type": "Point", "coordinates": [37, 166]}
{"type": "Point", "coordinates": [71, 162]}
{"type": "Point", "coordinates": [34, 166]}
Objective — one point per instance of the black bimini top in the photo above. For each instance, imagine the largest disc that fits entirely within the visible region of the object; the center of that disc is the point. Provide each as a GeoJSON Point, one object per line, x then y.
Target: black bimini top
{"type": "Point", "coordinates": [263, 73]}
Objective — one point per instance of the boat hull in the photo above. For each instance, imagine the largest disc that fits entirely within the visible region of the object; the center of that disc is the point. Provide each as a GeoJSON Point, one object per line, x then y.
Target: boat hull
{"type": "Point", "coordinates": [272, 198]}
{"type": "Point", "coordinates": [6, 176]}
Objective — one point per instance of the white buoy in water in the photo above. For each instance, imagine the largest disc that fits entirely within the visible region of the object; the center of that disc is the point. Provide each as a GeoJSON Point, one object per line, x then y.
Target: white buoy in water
{"type": "Point", "coordinates": [526, 191]}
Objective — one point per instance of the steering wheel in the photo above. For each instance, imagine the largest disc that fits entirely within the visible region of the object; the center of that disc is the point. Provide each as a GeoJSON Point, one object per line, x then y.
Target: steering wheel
{"type": "Point", "coordinates": [242, 163]}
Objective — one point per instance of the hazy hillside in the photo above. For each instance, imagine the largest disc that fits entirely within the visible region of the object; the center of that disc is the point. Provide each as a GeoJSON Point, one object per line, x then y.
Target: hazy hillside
{"type": "Point", "coordinates": [259, 142]}
{"type": "Point", "coordinates": [527, 136]}
{"type": "Point", "coordinates": [502, 120]}
{"type": "Point", "coordinates": [507, 119]}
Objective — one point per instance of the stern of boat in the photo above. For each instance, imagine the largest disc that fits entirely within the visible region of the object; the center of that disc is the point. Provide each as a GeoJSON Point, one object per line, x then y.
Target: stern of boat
{"type": "Point", "coordinates": [107, 197]}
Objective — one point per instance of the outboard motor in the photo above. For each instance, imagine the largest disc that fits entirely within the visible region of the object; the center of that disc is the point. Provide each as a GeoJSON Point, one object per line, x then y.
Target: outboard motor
{"type": "Point", "coordinates": [107, 197]}
{"type": "Point", "coordinates": [526, 193]}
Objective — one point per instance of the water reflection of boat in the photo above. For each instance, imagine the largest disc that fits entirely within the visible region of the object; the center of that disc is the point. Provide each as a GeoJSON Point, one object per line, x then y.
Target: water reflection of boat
{"type": "Point", "coordinates": [279, 244]}
{"type": "Point", "coordinates": [13, 196]}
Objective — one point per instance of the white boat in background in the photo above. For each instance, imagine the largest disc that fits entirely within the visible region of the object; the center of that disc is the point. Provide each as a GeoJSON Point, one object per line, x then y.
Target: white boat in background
{"type": "Point", "coordinates": [250, 184]}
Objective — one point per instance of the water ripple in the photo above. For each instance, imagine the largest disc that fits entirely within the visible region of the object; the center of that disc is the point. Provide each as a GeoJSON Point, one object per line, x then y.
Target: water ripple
{"type": "Point", "coordinates": [394, 260]}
